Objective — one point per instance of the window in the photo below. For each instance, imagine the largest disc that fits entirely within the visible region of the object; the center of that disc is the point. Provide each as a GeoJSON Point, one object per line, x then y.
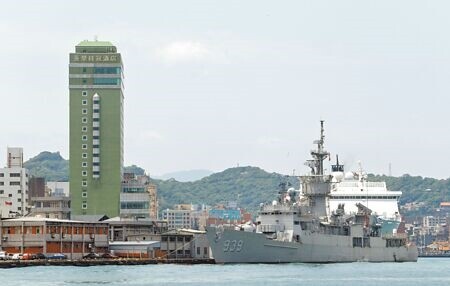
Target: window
{"type": "Point", "coordinates": [2, 192]}
{"type": "Point", "coordinates": [106, 81]}
{"type": "Point", "coordinates": [109, 70]}
{"type": "Point", "coordinates": [84, 137]}
{"type": "Point", "coordinates": [96, 110]}
{"type": "Point", "coordinates": [95, 155]}
{"type": "Point", "coordinates": [2, 183]}
{"type": "Point", "coordinates": [84, 173]}
{"type": "Point", "coordinates": [84, 183]}
{"type": "Point", "coordinates": [95, 137]}
{"type": "Point", "coordinates": [84, 129]}
{"type": "Point", "coordinates": [19, 200]}
{"type": "Point", "coordinates": [84, 119]}
{"type": "Point", "coordinates": [84, 146]}
{"type": "Point", "coordinates": [96, 164]}
{"type": "Point", "coordinates": [84, 70]}
{"type": "Point", "coordinates": [84, 155]}
{"type": "Point", "coordinates": [15, 175]}
{"type": "Point", "coordinates": [95, 119]}
{"type": "Point", "coordinates": [84, 205]}
{"type": "Point", "coordinates": [84, 80]}
{"type": "Point", "coordinates": [84, 93]}
{"type": "Point", "coordinates": [84, 164]}
{"type": "Point", "coordinates": [14, 183]}
{"type": "Point", "coordinates": [84, 110]}
{"type": "Point", "coordinates": [96, 146]}
{"type": "Point", "coordinates": [84, 194]}
{"type": "Point", "coordinates": [96, 128]}
{"type": "Point", "coordinates": [84, 102]}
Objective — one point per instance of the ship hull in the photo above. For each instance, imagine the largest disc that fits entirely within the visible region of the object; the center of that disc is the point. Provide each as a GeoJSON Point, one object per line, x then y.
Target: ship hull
{"type": "Point", "coordinates": [230, 246]}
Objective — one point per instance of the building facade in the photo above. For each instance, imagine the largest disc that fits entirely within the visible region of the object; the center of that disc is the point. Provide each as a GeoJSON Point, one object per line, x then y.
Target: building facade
{"type": "Point", "coordinates": [49, 236]}
{"type": "Point", "coordinates": [51, 207]}
{"type": "Point", "coordinates": [183, 216]}
{"type": "Point", "coordinates": [138, 197]}
{"type": "Point", "coordinates": [96, 128]}
{"type": "Point", "coordinates": [14, 185]}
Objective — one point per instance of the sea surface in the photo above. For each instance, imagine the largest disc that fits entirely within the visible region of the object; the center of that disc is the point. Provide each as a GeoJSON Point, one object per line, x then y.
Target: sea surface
{"type": "Point", "coordinates": [427, 271]}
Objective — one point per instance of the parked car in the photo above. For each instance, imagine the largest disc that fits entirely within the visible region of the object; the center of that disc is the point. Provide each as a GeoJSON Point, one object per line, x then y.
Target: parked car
{"type": "Point", "coordinates": [41, 256]}
{"type": "Point", "coordinates": [16, 256]}
{"type": "Point", "coordinates": [28, 256]}
{"type": "Point", "coordinates": [57, 256]}
{"type": "Point", "coordinates": [92, 255]}
{"type": "Point", "coordinates": [3, 255]}
{"type": "Point", "coordinates": [109, 256]}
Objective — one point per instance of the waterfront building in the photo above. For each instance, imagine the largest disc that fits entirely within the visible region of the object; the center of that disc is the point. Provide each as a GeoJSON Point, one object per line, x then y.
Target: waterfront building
{"type": "Point", "coordinates": [50, 236]}
{"type": "Point", "coordinates": [14, 185]}
{"type": "Point", "coordinates": [135, 230]}
{"type": "Point", "coordinates": [179, 244]}
{"type": "Point", "coordinates": [96, 128]}
{"type": "Point", "coordinates": [182, 216]}
{"type": "Point", "coordinates": [51, 207]}
{"type": "Point", "coordinates": [138, 197]}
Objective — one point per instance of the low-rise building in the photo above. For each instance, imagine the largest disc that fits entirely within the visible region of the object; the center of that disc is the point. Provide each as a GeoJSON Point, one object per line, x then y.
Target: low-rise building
{"type": "Point", "coordinates": [182, 216]}
{"type": "Point", "coordinates": [179, 244]}
{"type": "Point", "coordinates": [49, 236]}
{"type": "Point", "coordinates": [135, 230]}
{"type": "Point", "coordinates": [51, 207]}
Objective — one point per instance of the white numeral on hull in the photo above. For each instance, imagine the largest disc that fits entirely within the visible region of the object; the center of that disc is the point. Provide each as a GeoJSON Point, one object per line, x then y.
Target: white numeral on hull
{"type": "Point", "coordinates": [232, 245]}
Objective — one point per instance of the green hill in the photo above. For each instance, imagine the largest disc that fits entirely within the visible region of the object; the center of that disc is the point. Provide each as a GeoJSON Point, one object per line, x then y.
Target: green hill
{"type": "Point", "coordinates": [49, 165]}
{"type": "Point", "coordinates": [250, 186]}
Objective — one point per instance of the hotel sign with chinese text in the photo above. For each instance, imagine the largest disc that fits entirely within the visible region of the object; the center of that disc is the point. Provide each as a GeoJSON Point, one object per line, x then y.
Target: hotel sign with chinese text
{"type": "Point", "coordinates": [94, 58]}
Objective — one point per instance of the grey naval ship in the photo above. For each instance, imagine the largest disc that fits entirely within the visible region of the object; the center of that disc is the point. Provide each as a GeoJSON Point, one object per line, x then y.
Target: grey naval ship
{"type": "Point", "coordinates": [297, 228]}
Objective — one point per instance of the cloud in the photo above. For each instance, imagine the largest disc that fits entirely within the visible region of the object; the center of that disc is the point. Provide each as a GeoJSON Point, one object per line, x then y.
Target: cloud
{"type": "Point", "coordinates": [187, 52]}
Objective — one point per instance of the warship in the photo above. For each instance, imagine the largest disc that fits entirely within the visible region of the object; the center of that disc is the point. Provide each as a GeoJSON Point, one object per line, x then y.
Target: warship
{"type": "Point", "coordinates": [297, 228]}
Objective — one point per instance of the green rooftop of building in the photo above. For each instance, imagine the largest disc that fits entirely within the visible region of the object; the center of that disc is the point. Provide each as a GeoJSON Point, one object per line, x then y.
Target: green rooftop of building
{"type": "Point", "coordinates": [95, 47]}
{"type": "Point", "coordinates": [87, 43]}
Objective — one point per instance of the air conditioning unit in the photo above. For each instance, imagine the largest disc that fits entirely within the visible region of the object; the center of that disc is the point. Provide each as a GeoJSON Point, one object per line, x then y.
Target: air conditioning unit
{"type": "Point", "coordinates": [5, 238]}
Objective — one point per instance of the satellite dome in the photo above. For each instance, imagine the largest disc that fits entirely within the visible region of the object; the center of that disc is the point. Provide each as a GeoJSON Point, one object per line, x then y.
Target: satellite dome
{"type": "Point", "coordinates": [349, 175]}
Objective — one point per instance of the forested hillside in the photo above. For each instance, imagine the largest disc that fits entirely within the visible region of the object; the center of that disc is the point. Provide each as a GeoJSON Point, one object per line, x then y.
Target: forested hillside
{"type": "Point", "coordinates": [248, 185]}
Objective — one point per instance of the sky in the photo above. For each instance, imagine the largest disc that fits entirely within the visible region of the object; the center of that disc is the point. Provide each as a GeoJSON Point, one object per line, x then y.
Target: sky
{"type": "Point", "coordinates": [217, 84]}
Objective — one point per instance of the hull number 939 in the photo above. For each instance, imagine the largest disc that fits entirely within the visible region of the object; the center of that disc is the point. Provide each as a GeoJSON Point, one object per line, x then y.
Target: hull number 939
{"type": "Point", "coordinates": [232, 245]}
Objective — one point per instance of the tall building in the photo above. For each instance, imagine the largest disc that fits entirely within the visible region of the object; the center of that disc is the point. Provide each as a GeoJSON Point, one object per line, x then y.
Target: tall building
{"type": "Point", "coordinates": [96, 128]}
{"type": "Point", "coordinates": [14, 185]}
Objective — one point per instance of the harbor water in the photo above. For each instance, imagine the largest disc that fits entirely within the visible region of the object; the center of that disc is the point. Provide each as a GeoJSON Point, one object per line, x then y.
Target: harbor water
{"type": "Point", "coordinates": [427, 271]}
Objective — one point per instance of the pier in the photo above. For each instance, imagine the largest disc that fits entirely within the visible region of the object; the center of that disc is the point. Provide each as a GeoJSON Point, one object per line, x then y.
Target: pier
{"type": "Point", "coordinates": [98, 262]}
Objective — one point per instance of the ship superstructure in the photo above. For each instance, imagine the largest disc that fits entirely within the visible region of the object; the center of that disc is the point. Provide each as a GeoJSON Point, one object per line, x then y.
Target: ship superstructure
{"type": "Point", "coordinates": [298, 228]}
{"type": "Point", "coordinates": [352, 188]}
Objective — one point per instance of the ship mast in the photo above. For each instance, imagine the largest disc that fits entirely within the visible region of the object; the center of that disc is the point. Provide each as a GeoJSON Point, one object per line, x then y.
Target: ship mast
{"type": "Point", "coordinates": [319, 155]}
